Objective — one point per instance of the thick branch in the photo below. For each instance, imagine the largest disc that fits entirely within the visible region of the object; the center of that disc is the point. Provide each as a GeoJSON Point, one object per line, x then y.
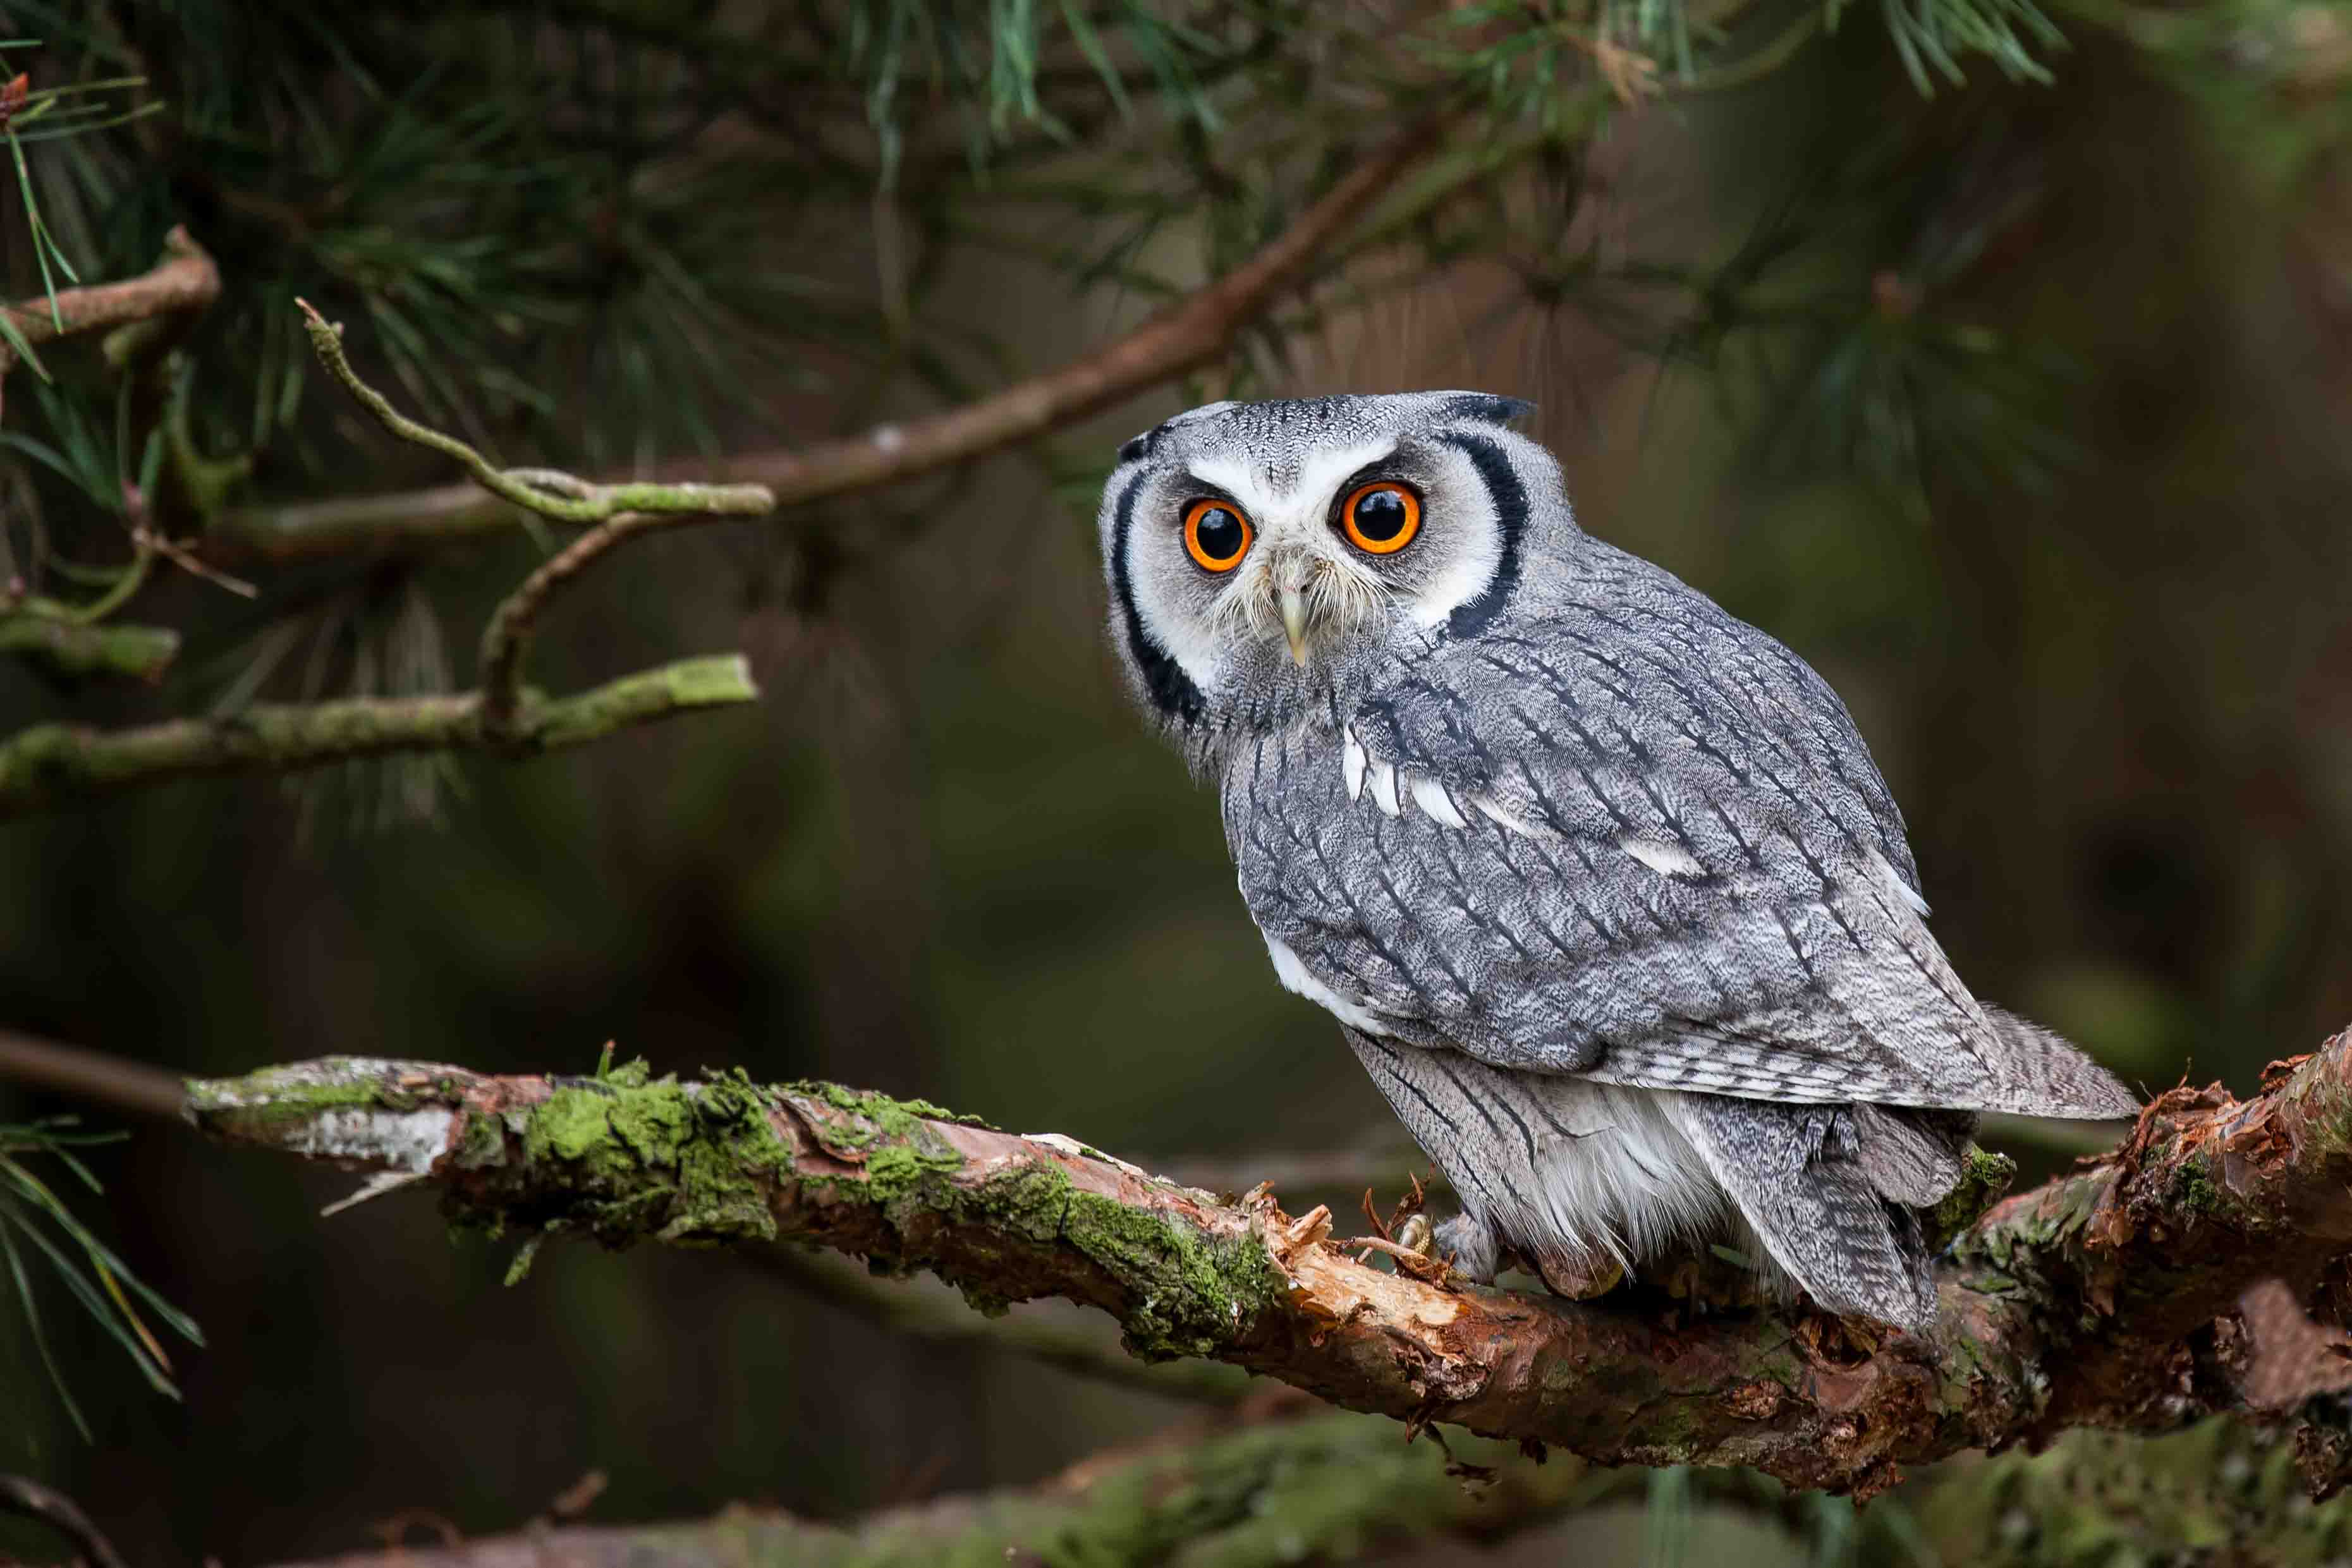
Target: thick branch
{"type": "Point", "coordinates": [2088, 1302]}
{"type": "Point", "coordinates": [52, 764]}
{"type": "Point", "coordinates": [1188, 334]}
{"type": "Point", "coordinates": [183, 284]}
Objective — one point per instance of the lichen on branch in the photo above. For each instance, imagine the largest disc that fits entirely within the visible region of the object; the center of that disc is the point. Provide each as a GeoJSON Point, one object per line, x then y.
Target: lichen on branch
{"type": "Point", "coordinates": [2097, 1300]}
{"type": "Point", "coordinates": [49, 765]}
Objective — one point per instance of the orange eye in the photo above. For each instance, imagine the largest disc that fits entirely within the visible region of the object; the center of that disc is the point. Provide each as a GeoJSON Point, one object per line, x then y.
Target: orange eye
{"type": "Point", "coordinates": [1216, 534]}
{"type": "Point", "coordinates": [1381, 517]}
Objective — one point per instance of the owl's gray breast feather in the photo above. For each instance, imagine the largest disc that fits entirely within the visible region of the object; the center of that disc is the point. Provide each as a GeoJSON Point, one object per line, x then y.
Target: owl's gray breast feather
{"type": "Point", "coordinates": [1625, 835]}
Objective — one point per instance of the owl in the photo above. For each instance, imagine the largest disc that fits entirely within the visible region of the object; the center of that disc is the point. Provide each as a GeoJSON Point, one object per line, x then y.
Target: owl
{"type": "Point", "coordinates": [1602, 885]}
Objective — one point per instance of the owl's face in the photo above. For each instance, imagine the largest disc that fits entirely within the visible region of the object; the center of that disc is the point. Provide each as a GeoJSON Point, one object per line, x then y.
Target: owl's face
{"type": "Point", "coordinates": [1257, 553]}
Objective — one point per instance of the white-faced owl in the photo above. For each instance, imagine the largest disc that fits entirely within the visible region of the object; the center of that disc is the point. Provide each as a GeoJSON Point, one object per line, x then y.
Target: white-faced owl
{"type": "Point", "coordinates": [1602, 885]}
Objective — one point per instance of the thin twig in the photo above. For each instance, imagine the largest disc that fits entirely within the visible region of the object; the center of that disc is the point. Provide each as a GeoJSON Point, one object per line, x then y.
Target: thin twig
{"type": "Point", "coordinates": [1188, 334]}
{"type": "Point", "coordinates": [120, 1084]}
{"type": "Point", "coordinates": [615, 510]}
{"type": "Point", "coordinates": [567, 501]}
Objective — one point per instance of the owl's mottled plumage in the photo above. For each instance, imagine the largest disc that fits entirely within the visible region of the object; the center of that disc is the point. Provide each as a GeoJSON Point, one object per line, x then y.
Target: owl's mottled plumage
{"type": "Point", "coordinates": [1601, 883]}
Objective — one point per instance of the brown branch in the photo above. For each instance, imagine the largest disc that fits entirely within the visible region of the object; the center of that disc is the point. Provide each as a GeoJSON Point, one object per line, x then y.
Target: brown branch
{"type": "Point", "coordinates": [2104, 1299]}
{"type": "Point", "coordinates": [1188, 334]}
{"type": "Point", "coordinates": [131, 1087]}
{"type": "Point", "coordinates": [181, 284]}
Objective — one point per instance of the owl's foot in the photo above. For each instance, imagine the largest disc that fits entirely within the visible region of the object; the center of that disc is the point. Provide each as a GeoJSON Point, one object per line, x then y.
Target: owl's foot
{"type": "Point", "coordinates": [1580, 1276]}
{"type": "Point", "coordinates": [1466, 1241]}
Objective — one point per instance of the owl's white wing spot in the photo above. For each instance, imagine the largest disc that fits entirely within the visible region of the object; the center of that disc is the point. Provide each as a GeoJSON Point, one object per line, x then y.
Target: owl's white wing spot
{"type": "Point", "coordinates": [1384, 788]}
{"type": "Point", "coordinates": [1430, 796]}
{"type": "Point", "coordinates": [1901, 889]}
{"type": "Point", "coordinates": [1291, 972]}
{"type": "Point", "coordinates": [1352, 761]}
{"type": "Point", "coordinates": [1666, 860]}
{"type": "Point", "coordinates": [1494, 810]}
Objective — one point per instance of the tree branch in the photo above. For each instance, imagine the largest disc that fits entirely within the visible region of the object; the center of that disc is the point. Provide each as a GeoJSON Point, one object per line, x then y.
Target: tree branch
{"type": "Point", "coordinates": [122, 1085]}
{"type": "Point", "coordinates": [2090, 1301]}
{"type": "Point", "coordinates": [1321, 1488]}
{"type": "Point", "coordinates": [183, 284]}
{"type": "Point", "coordinates": [78, 648]}
{"type": "Point", "coordinates": [52, 764]}
{"type": "Point", "coordinates": [1187, 335]}
{"type": "Point", "coordinates": [618, 511]}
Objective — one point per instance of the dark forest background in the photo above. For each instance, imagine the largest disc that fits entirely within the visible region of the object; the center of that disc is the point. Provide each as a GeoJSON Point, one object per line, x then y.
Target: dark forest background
{"type": "Point", "coordinates": [2022, 408]}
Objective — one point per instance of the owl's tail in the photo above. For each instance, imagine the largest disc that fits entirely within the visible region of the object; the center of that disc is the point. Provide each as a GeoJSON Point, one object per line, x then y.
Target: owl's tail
{"type": "Point", "coordinates": [2046, 1075]}
{"type": "Point", "coordinates": [1830, 1191]}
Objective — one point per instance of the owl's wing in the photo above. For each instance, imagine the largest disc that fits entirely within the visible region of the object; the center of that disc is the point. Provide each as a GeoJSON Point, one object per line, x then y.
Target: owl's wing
{"type": "Point", "coordinates": [1636, 840]}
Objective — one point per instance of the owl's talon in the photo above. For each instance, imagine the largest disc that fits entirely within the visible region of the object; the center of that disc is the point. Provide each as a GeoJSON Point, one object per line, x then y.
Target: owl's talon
{"type": "Point", "coordinates": [1594, 1274]}
{"type": "Point", "coordinates": [1416, 1235]}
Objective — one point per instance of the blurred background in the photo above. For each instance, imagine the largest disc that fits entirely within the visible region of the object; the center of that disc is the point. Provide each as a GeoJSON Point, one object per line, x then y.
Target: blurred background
{"type": "Point", "coordinates": [2019, 405]}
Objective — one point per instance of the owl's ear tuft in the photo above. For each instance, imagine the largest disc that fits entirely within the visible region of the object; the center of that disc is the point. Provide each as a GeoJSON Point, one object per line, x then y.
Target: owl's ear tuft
{"type": "Point", "coordinates": [1137, 447]}
{"type": "Point", "coordinates": [1487, 408]}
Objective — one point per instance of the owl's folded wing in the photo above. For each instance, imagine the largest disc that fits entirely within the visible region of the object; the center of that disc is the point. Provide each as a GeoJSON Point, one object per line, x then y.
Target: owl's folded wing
{"type": "Point", "coordinates": [1641, 843]}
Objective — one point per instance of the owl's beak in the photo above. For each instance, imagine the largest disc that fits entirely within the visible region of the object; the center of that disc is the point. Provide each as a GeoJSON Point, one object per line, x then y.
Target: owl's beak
{"type": "Point", "coordinates": [1292, 572]}
{"type": "Point", "coordinates": [1294, 623]}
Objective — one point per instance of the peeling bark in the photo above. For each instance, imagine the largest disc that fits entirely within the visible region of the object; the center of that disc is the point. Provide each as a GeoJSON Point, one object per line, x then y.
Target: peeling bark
{"type": "Point", "coordinates": [2104, 1298]}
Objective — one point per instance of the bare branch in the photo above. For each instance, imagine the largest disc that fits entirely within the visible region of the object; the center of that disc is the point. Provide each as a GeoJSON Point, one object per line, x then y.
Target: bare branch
{"type": "Point", "coordinates": [1188, 334]}
{"type": "Point", "coordinates": [51, 764]}
{"type": "Point", "coordinates": [113, 1081]}
{"type": "Point", "coordinates": [2089, 1302]}
{"type": "Point", "coordinates": [29, 1499]}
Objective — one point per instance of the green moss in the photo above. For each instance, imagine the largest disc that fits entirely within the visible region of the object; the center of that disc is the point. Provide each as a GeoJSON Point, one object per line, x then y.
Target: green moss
{"type": "Point", "coordinates": [294, 1092]}
{"type": "Point", "coordinates": [2192, 1188]}
{"type": "Point", "coordinates": [896, 1118]}
{"type": "Point", "coordinates": [686, 1162]}
{"type": "Point", "coordinates": [896, 1170]}
{"type": "Point", "coordinates": [1196, 1290]}
{"type": "Point", "coordinates": [1984, 1178]}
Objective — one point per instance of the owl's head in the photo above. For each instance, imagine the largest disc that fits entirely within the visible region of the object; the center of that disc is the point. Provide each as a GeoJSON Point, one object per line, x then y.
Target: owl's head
{"type": "Point", "coordinates": [1260, 556]}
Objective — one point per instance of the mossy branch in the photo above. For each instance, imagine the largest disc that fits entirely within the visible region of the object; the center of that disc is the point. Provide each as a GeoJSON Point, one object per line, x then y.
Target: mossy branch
{"type": "Point", "coordinates": [51, 765]}
{"type": "Point", "coordinates": [2097, 1300]}
{"type": "Point", "coordinates": [616, 511]}
{"type": "Point", "coordinates": [74, 648]}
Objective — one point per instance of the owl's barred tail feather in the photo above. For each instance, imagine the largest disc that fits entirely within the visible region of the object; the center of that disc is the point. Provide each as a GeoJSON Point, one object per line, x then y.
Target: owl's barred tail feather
{"type": "Point", "coordinates": [1830, 1194]}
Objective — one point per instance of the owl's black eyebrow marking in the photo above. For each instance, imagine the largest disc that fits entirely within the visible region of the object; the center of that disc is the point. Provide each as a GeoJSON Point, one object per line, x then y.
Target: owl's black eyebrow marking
{"type": "Point", "coordinates": [1171, 691]}
{"type": "Point", "coordinates": [1473, 615]}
